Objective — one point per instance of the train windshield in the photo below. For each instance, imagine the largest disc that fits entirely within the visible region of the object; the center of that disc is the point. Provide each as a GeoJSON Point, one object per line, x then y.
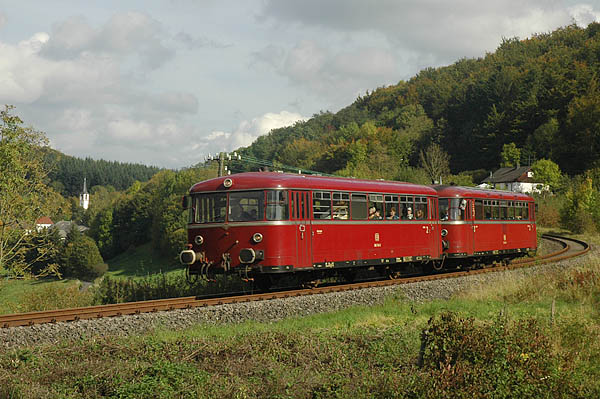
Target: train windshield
{"type": "Point", "coordinates": [246, 206]}
{"type": "Point", "coordinates": [452, 208]}
{"type": "Point", "coordinates": [209, 208]}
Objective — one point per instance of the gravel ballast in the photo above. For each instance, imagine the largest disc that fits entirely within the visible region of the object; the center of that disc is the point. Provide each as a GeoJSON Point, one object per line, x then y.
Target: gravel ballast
{"type": "Point", "coordinates": [265, 311]}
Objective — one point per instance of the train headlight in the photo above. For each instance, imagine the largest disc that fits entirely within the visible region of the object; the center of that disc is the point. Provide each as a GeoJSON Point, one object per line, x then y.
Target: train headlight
{"type": "Point", "coordinates": [228, 183]}
{"type": "Point", "coordinates": [199, 240]}
{"type": "Point", "coordinates": [247, 255]}
{"type": "Point", "coordinates": [444, 232]}
{"type": "Point", "coordinates": [257, 237]}
{"type": "Point", "coordinates": [187, 257]}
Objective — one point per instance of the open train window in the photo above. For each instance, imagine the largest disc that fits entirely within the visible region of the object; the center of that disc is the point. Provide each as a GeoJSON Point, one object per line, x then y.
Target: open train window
{"type": "Point", "coordinates": [406, 207]}
{"type": "Point", "coordinates": [391, 207]}
{"type": "Point", "coordinates": [358, 206]}
{"type": "Point", "coordinates": [341, 206]}
{"type": "Point", "coordinates": [420, 208]}
{"type": "Point", "coordinates": [321, 205]}
{"type": "Point", "coordinates": [376, 207]}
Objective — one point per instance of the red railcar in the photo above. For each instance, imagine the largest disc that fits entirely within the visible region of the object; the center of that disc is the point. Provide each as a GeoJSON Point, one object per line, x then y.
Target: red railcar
{"type": "Point", "coordinates": [478, 224]}
{"type": "Point", "coordinates": [260, 224]}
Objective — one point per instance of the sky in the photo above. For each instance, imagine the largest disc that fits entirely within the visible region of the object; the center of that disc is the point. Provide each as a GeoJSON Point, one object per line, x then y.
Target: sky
{"type": "Point", "coordinates": [166, 83]}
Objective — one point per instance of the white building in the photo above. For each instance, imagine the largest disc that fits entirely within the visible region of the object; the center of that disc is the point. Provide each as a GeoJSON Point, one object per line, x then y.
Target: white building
{"type": "Point", "coordinates": [519, 179]}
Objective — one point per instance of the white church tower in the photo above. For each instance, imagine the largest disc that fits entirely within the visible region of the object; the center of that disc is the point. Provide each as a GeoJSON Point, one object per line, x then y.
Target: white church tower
{"type": "Point", "coordinates": [84, 197]}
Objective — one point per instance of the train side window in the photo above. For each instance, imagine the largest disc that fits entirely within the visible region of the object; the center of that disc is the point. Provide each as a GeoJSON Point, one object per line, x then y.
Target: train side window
{"type": "Point", "coordinates": [358, 206]}
{"type": "Point", "coordinates": [420, 208]}
{"type": "Point", "coordinates": [511, 210]}
{"type": "Point", "coordinates": [376, 209]}
{"type": "Point", "coordinates": [525, 210]}
{"type": "Point", "coordinates": [341, 203]}
{"type": "Point", "coordinates": [406, 207]}
{"type": "Point", "coordinates": [502, 205]}
{"type": "Point", "coordinates": [487, 209]}
{"type": "Point", "coordinates": [321, 205]}
{"type": "Point", "coordinates": [391, 207]}
{"type": "Point", "coordinates": [495, 210]}
{"type": "Point", "coordinates": [478, 210]}
{"type": "Point", "coordinates": [444, 204]}
{"type": "Point", "coordinates": [518, 211]}
{"type": "Point", "coordinates": [277, 205]}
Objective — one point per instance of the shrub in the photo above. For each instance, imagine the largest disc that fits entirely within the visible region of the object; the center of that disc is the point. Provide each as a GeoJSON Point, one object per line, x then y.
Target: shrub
{"type": "Point", "coordinates": [54, 296]}
{"type": "Point", "coordinates": [509, 359]}
{"type": "Point", "coordinates": [81, 257]}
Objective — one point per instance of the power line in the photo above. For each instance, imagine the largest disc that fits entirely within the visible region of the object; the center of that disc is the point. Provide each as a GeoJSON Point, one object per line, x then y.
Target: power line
{"type": "Point", "coordinates": [234, 157]}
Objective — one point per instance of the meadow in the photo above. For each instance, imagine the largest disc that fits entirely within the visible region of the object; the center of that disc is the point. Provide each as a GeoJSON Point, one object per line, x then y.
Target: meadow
{"type": "Point", "coordinates": [530, 337]}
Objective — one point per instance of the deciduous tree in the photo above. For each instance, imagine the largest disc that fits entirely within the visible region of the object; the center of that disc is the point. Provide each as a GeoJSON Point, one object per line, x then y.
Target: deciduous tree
{"type": "Point", "coordinates": [23, 194]}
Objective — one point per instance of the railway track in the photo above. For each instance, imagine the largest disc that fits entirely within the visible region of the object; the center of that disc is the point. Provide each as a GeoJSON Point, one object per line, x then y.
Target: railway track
{"type": "Point", "coordinates": [570, 248]}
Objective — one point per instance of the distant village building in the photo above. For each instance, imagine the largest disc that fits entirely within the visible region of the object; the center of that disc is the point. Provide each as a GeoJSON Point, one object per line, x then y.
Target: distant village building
{"type": "Point", "coordinates": [64, 227]}
{"type": "Point", "coordinates": [43, 223]}
{"type": "Point", "coordinates": [519, 179]}
{"type": "Point", "coordinates": [84, 197]}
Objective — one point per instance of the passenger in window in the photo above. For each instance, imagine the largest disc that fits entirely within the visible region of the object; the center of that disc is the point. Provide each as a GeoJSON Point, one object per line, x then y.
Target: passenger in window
{"type": "Point", "coordinates": [372, 211]}
{"type": "Point", "coordinates": [392, 215]}
{"type": "Point", "coordinates": [420, 214]}
{"type": "Point", "coordinates": [409, 214]}
{"type": "Point", "coordinates": [340, 210]}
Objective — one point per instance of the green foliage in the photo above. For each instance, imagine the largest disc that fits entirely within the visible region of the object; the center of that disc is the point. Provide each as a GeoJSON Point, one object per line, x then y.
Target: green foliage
{"type": "Point", "coordinates": [157, 286]}
{"type": "Point", "coordinates": [540, 96]}
{"type": "Point", "coordinates": [546, 172]}
{"type": "Point", "coordinates": [23, 196]}
{"type": "Point", "coordinates": [510, 155]}
{"type": "Point", "coordinates": [69, 172]}
{"type": "Point", "coordinates": [81, 258]}
{"type": "Point", "coordinates": [581, 209]}
{"type": "Point", "coordinates": [508, 360]}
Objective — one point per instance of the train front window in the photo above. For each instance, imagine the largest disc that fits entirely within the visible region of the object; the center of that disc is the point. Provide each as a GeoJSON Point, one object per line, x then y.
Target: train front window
{"type": "Point", "coordinates": [452, 208]}
{"type": "Point", "coordinates": [246, 206]}
{"type": "Point", "coordinates": [277, 205]}
{"type": "Point", "coordinates": [209, 208]}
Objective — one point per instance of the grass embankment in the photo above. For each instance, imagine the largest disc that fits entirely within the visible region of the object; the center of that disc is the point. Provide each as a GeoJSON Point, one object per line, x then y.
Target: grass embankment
{"type": "Point", "coordinates": [529, 337]}
{"type": "Point", "coordinates": [139, 266]}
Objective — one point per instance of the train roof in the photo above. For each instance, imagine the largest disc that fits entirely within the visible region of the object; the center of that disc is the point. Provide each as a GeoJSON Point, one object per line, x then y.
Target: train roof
{"type": "Point", "coordinates": [274, 180]}
{"type": "Point", "coordinates": [476, 192]}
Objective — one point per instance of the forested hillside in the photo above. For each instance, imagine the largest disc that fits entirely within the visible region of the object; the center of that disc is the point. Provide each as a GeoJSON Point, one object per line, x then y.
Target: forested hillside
{"type": "Point", "coordinates": [542, 93]}
{"type": "Point", "coordinates": [67, 173]}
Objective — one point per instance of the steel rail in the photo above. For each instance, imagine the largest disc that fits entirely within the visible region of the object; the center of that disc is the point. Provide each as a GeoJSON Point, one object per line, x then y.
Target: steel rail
{"type": "Point", "coordinates": [129, 308]}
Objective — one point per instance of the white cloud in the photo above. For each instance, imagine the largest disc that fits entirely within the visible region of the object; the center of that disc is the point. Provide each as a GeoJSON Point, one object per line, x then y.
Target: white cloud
{"type": "Point", "coordinates": [445, 29]}
{"type": "Point", "coordinates": [247, 132]}
{"type": "Point", "coordinates": [338, 75]}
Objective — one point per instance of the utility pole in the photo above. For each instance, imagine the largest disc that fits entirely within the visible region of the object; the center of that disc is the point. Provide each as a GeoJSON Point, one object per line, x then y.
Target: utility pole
{"type": "Point", "coordinates": [221, 164]}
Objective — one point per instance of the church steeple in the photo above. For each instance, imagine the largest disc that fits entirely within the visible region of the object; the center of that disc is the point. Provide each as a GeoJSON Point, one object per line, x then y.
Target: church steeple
{"type": "Point", "coordinates": [84, 197]}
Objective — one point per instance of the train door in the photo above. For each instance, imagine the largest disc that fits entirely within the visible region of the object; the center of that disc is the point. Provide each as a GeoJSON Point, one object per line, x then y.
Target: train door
{"type": "Point", "coordinates": [435, 228]}
{"type": "Point", "coordinates": [300, 215]}
{"type": "Point", "coordinates": [470, 229]}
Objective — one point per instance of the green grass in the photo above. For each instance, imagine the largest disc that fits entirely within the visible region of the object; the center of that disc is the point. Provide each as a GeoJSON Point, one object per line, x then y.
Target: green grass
{"type": "Point", "coordinates": [15, 295]}
{"type": "Point", "coordinates": [140, 262]}
{"type": "Point", "coordinates": [500, 340]}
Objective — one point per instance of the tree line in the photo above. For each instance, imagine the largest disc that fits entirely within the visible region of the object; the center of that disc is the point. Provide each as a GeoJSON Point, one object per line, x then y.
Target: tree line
{"type": "Point", "coordinates": [542, 93]}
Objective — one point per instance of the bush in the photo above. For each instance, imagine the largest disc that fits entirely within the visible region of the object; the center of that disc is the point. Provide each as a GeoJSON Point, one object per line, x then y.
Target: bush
{"type": "Point", "coordinates": [81, 257]}
{"type": "Point", "coordinates": [53, 296]}
{"type": "Point", "coordinates": [509, 359]}
{"type": "Point", "coordinates": [158, 286]}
